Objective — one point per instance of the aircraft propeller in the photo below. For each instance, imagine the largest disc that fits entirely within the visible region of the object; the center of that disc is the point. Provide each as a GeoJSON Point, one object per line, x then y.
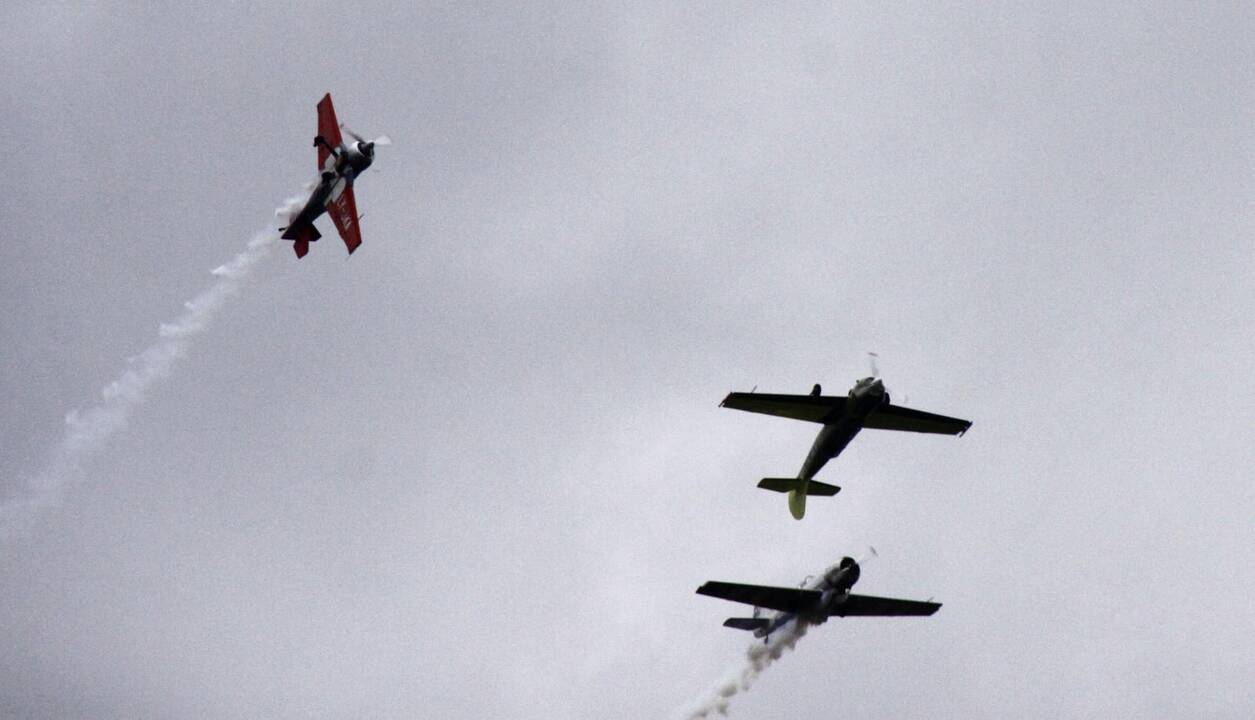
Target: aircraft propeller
{"type": "Point", "coordinates": [872, 361]}
{"type": "Point", "coordinates": [871, 555]}
{"type": "Point", "coordinates": [370, 144]}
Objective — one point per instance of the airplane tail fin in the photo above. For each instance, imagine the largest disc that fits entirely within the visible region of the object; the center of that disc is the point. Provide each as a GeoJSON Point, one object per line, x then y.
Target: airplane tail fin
{"type": "Point", "coordinates": [745, 623]}
{"type": "Point", "coordinates": [784, 485]}
{"type": "Point", "coordinates": [301, 236]}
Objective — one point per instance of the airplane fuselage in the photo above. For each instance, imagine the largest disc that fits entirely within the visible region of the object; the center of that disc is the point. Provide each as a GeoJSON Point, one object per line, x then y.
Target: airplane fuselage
{"type": "Point", "coordinates": [778, 621]}
{"type": "Point", "coordinates": [829, 443]}
{"type": "Point", "coordinates": [835, 585]}
{"type": "Point", "coordinates": [341, 169]}
{"type": "Point", "coordinates": [316, 205]}
{"type": "Point", "coordinates": [866, 395]}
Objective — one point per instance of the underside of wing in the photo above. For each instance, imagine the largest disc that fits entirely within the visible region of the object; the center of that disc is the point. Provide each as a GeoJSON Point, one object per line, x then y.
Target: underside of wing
{"type": "Point", "coordinates": [812, 408]}
{"type": "Point", "coordinates": [775, 598]}
{"type": "Point", "coordinates": [868, 605]}
{"type": "Point", "coordinates": [328, 129]}
{"type": "Point", "coordinates": [896, 417]}
{"type": "Point", "coordinates": [343, 212]}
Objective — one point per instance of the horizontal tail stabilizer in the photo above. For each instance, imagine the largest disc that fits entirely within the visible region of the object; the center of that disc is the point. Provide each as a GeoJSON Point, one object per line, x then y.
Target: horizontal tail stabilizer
{"type": "Point", "coordinates": [745, 623]}
{"type": "Point", "coordinates": [301, 236]}
{"type": "Point", "coordinates": [784, 485]}
{"type": "Point", "coordinates": [308, 232]}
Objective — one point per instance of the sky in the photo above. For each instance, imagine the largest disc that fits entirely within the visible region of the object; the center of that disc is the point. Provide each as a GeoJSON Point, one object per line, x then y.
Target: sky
{"type": "Point", "coordinates": [478, 469]}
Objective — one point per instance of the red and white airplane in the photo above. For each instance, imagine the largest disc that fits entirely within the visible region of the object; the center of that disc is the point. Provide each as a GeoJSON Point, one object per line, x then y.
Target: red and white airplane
{"type": "Point", "coordinates": [339, 165]}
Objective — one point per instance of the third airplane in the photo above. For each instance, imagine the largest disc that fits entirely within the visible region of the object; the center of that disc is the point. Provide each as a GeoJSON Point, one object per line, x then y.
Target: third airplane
{"type": "Point", "coordinates": [813, 603]}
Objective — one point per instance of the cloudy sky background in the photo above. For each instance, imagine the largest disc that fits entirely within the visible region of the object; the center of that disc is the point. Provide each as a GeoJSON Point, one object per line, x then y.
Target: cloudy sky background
{"type": "Point", "coordinates": [479, 469]}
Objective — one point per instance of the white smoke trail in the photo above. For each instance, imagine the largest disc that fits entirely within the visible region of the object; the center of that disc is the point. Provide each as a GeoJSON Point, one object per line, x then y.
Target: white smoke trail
{"type": "Point", "coordinates": [87, 432]}
{"type": "Point", "coordinates": [758, 657]}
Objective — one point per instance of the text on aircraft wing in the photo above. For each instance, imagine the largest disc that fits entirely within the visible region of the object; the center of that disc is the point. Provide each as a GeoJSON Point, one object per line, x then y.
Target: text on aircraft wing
{"type": "Point", "coordinates": [328, 128]}
{"type": "Point", "coordinates": [776, 598]}
{"type": "Point", "coordinates": [812, 408]}
{"type": "Point", "coordinates": [343, 212]}
{"type": "Point", "coordinates": [896, 417]}
{"type": "Point", "coordinates": [867, 605]}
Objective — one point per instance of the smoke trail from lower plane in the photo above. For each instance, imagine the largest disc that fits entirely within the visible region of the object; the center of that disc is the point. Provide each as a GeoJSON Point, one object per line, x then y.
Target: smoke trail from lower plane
{"type": "Point", "coordinates": [88, 431]}
{"type": "Point", "coordinates": [758, 657]}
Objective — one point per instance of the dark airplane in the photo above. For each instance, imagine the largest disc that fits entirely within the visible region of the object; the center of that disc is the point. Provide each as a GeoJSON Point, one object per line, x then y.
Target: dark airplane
{"type": "Point", "coordinates": [866, 406]}
{"type": "Point", "coordinates": [813, 603]}
{"type": "Point", "coordinates": [338, 165]}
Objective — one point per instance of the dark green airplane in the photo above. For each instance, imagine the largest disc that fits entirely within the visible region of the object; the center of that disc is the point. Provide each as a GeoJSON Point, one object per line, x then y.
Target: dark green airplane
{"type": "Point", "coordinates": [866, 406]}
{"type": "Point", "coordinates": [813, 603]}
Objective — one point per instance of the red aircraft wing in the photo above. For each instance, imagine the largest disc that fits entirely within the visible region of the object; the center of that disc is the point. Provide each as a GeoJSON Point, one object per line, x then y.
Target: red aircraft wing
{"type": "Point", "coordinates": [328, 128]}
{"type": "Point", "coordinates": [343, 212]}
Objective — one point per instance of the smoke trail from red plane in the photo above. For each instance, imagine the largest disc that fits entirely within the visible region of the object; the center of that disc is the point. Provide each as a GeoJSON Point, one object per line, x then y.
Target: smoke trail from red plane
{"type": "Point", "coordinates": [87, 431]}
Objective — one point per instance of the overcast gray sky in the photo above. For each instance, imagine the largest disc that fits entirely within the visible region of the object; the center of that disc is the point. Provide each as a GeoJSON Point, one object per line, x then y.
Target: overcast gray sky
{"type": "Point", "coordinates": [479, 469]}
